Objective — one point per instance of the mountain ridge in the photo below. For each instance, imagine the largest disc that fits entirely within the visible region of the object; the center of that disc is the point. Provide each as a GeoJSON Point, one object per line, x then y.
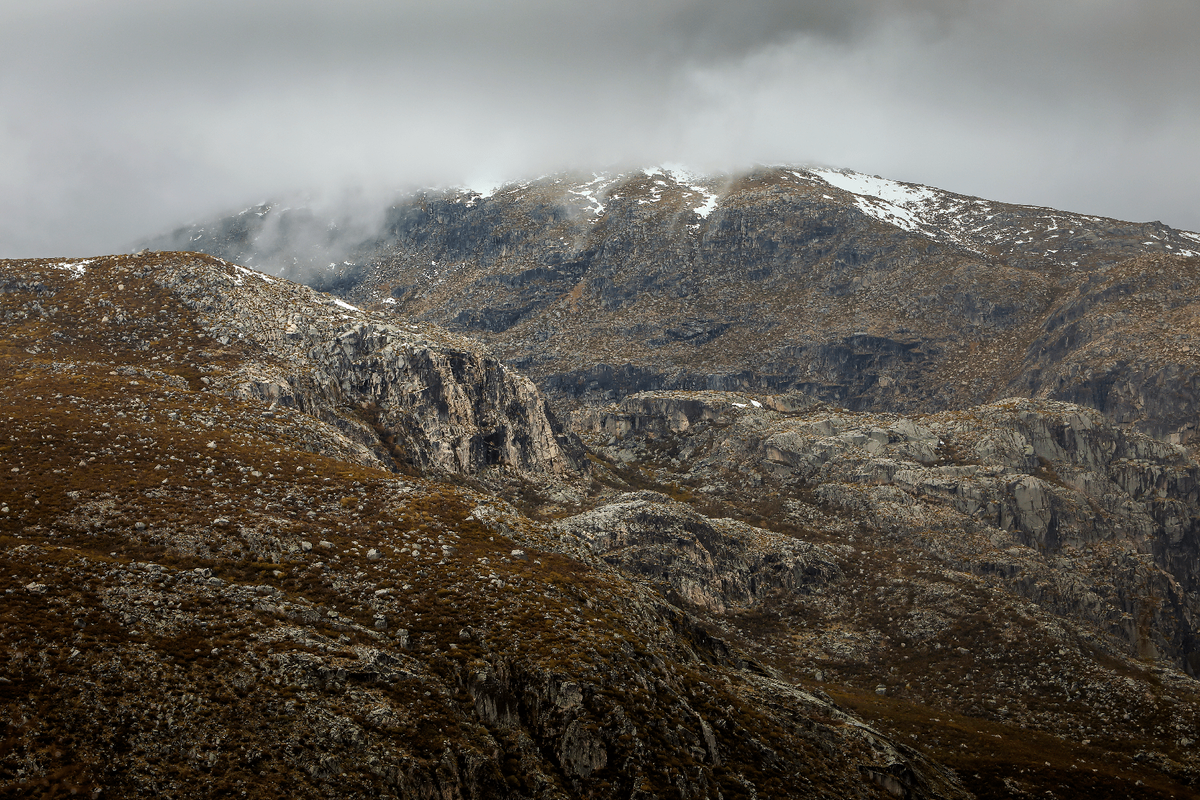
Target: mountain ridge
{"type": "Point", "coordinates": [925, 301]}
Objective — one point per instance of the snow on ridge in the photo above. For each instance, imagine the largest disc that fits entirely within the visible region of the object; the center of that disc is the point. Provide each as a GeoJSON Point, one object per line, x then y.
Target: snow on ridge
{"type": "Point", "coordinates": [483, 188]}
{"type": "Point", "coordinates": [889, 191]}
{"type": "Point", "coordinates": [886, 200]}
{"type": "Point", "coordinates": [255, 272]}
{"type": "Point", "coordinates": [692, 180]}
{"type": "Point", "coordinates": [76, 267]}
{"type": "Point", "coordinates": [920, 209]}
{"type": "Point", "coordinates": [593, 190]}
{"type": "Point", "coordinates": [889, 212]}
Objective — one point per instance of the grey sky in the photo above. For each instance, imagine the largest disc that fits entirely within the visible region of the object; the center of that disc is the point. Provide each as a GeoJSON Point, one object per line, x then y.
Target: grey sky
{"type": "Point", "coordinates": [122, 118]}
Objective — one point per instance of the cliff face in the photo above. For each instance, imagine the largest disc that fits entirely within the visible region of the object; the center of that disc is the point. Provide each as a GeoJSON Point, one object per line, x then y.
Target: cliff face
{"type": "Point", "coordinates": [872, 294]}
{"type": "Point", "coordinates": [1123, 342]}
{"type": "Point", "coordinates": [988, 561]}
{"type": "Point", "coordinates": [1049, 500]}
{"type": "Point", "coordinates": [408, 395]}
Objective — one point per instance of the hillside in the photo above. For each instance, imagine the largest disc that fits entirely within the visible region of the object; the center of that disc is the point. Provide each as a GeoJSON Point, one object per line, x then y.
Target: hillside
{"type": "Point", "coordinates": [257, 541]}
{"type": "Point", "coordinates": [222, 584]}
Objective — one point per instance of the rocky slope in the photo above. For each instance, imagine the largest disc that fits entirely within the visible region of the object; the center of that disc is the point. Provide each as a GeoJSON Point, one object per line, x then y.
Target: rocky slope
{"type": "Point", "coordinates": [216, 584]}
{"type": "Point", "coordinates": [1046, 499]}
{"type": "Point", "coordinates": [873, 294]}
{"type": "Point", "coordinates": [1025, 564]}
{"type": "Point", "coordinates": [254, 540]}
{"type": "Point", "coordinates": [391, 395]}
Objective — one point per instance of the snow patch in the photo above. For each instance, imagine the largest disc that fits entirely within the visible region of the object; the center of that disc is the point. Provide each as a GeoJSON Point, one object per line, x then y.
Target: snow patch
{"type": "Point", "coordinates": [710, 202]}
{"type": "Point", "coordinates": [346, 305]}
{"type": "Point", "coordinates": [483, 189]}
{"type": "Point", "coordinates": [593, 191]}
{"type": "Point", "coordinates": [890, 213]}
{"type": "Point", "coordinates": [255, 272]}
{"type": "Point", "coordinates": [76, 267]}
{"type": "Point", "coordinates": [887, 190]}
{"type": "Point", "coordinates": [692, 180]}
{"type": "Point", "coordinates": [885, 200]}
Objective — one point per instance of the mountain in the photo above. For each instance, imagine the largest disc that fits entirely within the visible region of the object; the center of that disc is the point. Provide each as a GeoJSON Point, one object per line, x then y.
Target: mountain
{"type": "Point", "coordinates": [245, 552]}
{"type": "Point", "coordinates": [891, 494]}
{"type": "Point", "coordinates": [865, 292]}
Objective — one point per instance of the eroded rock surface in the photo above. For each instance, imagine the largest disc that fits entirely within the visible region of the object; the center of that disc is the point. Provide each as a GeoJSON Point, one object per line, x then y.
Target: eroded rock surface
{"type": "Point", "coordinates": [211, 588]}
{"type": "Point", "coordinates": [1080, 515]}
{"type": "Point", "coordinates": [712, 563]}
{"type": "Point", "coordinates": [443, 401]}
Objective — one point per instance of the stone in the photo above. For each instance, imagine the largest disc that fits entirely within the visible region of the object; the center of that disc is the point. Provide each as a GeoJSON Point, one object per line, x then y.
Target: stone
{"type": "Point", "coordinates": [373, 555]}
{"type": "Point", "coordinates": [581, 751]}
{"type": "Point", "coordinates": [713, 563]}
{"type": "Point", "coordinates": [35, 588]}
{"type": "Point", "coordinates": [569, 696]}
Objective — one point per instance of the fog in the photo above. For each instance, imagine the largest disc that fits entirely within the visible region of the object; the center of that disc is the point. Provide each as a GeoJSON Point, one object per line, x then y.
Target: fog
{"type": "Point", "coordinates": [123, 119]}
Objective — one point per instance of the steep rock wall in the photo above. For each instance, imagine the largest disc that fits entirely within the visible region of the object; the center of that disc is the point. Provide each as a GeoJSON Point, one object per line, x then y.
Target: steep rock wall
{"type": "Point", "coordinates": [446, 401]}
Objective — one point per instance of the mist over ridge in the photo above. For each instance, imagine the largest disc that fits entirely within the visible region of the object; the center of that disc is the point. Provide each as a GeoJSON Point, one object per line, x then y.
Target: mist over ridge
{"type": "Point", "coordinates": [124, 120]}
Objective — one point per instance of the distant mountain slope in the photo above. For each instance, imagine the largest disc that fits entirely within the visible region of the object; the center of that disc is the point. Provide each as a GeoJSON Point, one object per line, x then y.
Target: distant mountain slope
{"type": "Point", "coordinates": [874, 294]}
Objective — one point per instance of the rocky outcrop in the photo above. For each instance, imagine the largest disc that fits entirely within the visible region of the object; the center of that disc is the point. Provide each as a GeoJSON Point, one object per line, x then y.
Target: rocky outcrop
{"type": "Point", "coordinates": [1124, 342]}
{"type": "Point", "coordinates": [1082, 516]}
{"type": "Point", "coordinates": [207, 594]}
{"type": "Point", "coordinates": [711, 563]}
{"type": "Point", "coordinates": [415, 396]}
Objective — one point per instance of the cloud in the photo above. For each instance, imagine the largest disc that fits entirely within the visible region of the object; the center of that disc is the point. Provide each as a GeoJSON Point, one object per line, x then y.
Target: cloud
{"type": "Point", "coordinates": [124, 118]}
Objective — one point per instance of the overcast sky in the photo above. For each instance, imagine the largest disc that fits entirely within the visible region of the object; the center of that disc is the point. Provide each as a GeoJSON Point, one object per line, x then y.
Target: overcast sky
{"type": "Point", "coordinates": [122, 118]}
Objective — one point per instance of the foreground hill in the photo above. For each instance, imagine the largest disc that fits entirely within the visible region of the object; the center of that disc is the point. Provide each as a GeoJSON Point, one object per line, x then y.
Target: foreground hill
{"type": "Point", "coordinates": [256, 540]}
{"type": "Point", "coordinates": [214, 587]}
{"type": "Point", "coordinates": [865, 292]}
